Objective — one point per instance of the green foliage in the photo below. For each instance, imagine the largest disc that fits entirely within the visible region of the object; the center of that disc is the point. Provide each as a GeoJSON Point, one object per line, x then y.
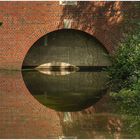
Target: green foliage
{"type": "Point", "coordinates": [125, 69]}
{"type": "Point", "coordinates": [125, 74]}
{"type": "Point", "coordinates": [124, 77]}
{"type": "Point", "coordinates": [127, 102]}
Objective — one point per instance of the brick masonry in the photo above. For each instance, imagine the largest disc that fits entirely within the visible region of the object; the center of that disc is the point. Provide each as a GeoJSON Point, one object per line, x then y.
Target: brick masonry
{"type": "Point", "coordinates": [21, 116]}
{"type": "Point", "coordinates": [25, 22]}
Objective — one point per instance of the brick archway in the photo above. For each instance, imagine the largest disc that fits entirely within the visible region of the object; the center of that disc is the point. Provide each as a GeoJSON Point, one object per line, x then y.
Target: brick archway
{"type": "Point", "coordinates": [38, 33]}
{"type": "Point", "coordinates": [37, 52]}
{"type": "Point", "coordinates": [26, 22]}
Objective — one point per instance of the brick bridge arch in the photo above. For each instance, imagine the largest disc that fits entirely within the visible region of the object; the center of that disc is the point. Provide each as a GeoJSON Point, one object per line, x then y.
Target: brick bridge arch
{"type": "Point", "coordinates": [38, 34]}
{"type": "Point", "coordinates": [25, 22]}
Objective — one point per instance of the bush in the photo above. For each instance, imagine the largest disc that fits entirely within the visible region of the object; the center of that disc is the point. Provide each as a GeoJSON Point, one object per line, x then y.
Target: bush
{"type": "Point", "coordinates": [125, 69]}
{"type": "Point", "coordinates": [124, 75]}
{"type": "Point", "coordinates": [127, 102]}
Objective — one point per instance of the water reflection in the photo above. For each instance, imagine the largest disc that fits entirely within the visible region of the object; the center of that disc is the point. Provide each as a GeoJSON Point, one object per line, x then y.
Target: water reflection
{"type": "Point", "coordinates": [57, 68]}
{"type": "Point", "coordinates": [22, 116]}
{"type": "Point", "coordinates": [72, 92]}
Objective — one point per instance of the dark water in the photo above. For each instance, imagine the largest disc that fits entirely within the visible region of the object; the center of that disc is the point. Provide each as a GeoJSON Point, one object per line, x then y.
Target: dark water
{"type": "Point", "coordinates": [83, 103]}
{"type": "Point", "coordinates": [72, 92]}
{"type": "Point", "coordinates": [76, 105]}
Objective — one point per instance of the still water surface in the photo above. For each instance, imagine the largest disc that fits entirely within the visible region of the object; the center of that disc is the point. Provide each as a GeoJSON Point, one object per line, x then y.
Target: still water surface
{"type": "Point", "coordinates": [81, 100]}
{"type": "Point", "coordinates": [72, 92]}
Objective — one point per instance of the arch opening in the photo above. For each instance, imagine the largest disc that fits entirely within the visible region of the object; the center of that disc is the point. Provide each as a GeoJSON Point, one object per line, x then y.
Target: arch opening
{"type": "Point", "coordinates": [68, 46]}
{"type": "Point", "coordinates": [66, 70]}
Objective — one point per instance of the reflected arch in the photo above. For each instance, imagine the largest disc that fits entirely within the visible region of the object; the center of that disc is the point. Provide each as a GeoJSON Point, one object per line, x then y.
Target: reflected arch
{"type": "Point", "coordinates": [68, 92]}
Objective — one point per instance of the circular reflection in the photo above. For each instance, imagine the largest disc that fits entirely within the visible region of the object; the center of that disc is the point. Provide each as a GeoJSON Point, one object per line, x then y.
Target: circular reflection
{"type": "Point", "coordinates": [55, 59]}
{"type": "Point", "coordinates": [72, 92]}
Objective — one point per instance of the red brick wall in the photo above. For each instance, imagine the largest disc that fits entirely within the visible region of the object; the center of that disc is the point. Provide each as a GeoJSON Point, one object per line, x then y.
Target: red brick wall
{"type": "Point", "coordinates": [21, 116]}
{"type": "Point", "coordinates": [26, 22]}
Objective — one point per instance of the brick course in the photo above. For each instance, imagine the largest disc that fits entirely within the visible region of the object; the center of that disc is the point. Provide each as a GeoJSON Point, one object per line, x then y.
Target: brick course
{"type": "Point", "coordinates": [21, 116]}
{"type": "Point", "coordinates": [25, 22]}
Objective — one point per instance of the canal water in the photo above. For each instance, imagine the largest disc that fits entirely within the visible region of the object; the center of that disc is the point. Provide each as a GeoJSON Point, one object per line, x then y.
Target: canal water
{"type": "Point", "coordinates": [83, 104]}
{"type": "Point", "coordinates": [76, 105]}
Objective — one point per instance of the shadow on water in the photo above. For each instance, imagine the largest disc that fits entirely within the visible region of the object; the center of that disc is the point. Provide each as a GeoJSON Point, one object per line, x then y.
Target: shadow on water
{"type": "Point", "coordinates": [72, 92]}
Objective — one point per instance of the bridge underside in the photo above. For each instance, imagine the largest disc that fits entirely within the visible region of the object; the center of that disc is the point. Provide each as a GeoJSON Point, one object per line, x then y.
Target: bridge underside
{"type": "Point", "coordinates": [68, 46]}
